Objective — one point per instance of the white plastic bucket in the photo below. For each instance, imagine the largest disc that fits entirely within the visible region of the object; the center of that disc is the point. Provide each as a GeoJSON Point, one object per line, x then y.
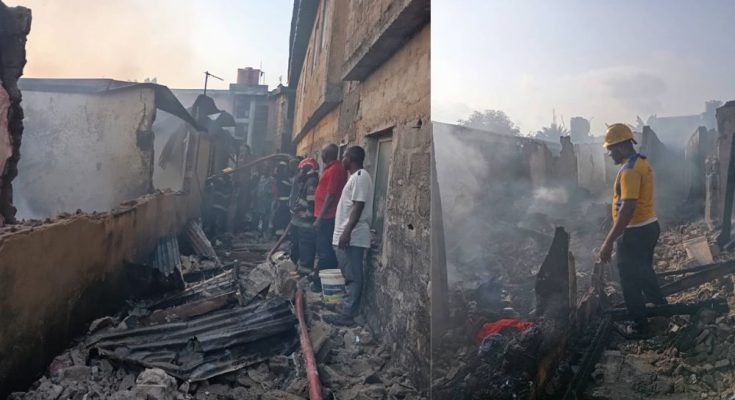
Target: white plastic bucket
{"type": "Point", "coordinates": [698, 249]}
{"type": "Point", "coordinates": [333, 285]}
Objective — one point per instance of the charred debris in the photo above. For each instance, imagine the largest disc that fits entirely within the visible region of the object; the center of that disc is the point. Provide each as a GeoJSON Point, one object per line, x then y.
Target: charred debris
{"type": "Point", "coordinates": [545, 323]}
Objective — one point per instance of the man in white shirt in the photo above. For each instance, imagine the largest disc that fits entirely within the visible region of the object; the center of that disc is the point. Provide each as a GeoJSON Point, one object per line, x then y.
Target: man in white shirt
{"type": "Point", "coordinates": [352, 230]}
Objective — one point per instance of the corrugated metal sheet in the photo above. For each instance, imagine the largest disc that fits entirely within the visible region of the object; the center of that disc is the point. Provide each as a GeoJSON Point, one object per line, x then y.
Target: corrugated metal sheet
{"type": "Point", "coordinates": [198, 239]}
{"type": "Point", "coordinates": [209, 345]}
{"type": "Point", "coordinates": [166, 257]}
{"type": "Point", "coordinates": [218, 285]}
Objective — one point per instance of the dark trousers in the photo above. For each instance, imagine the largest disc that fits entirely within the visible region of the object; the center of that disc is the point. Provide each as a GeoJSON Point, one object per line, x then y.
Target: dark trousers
{"type": "Point", "coordinates": [281, 217]}
{"type": "Point", "coordinates": [326, 258]}
{"type": "Point", "coordinates": [306, 239]}
{"type": "Point", "coordinates": [635, 265]}
{"type": "Point", "coordinates": [324, 249]}
{"type": "Point", "coordinates": [294, 252]}
{"type": "Point", "coordinates": [350, 263]}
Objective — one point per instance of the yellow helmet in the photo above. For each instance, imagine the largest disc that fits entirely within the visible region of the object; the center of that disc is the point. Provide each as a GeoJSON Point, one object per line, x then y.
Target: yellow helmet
{"type": "Point", "coordinates": [617, 133]}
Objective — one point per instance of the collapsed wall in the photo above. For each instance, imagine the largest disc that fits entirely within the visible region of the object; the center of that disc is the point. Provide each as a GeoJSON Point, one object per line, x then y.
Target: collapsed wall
{"type": "Point", "coordinates": [497, 185]}
{"type": "Point", "coordinates": [700, 147]}
{"type": "Point", "coordinates": [47, 297]}
{"type": "Point", "coordinates": [726, 129]}
{"type": "Point", "coordinates": [15, 24]}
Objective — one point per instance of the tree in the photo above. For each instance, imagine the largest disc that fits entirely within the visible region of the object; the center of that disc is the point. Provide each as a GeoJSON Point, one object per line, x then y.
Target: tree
{"type": "Point", "coordinates": [554, 132]}
{"type": "Point", "coordinates": [494, 121]}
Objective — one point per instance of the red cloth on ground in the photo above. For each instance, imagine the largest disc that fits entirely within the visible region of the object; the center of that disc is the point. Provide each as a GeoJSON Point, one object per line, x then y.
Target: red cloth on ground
{"type": "Point", "coordinates": [497, 326]}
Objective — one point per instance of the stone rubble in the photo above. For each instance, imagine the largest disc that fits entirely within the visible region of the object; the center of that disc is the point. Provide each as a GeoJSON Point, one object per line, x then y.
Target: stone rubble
{"type": "Point", "coordinates": [352, 364]}
{"type": "Point", "coordinates": [690, 357]}
{"type": "Point", "coordinates": [693, 357]}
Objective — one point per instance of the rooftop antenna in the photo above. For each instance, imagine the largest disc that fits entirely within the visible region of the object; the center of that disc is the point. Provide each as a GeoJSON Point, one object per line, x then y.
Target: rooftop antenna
{"type": "Point", "coordinates": [206, 79]}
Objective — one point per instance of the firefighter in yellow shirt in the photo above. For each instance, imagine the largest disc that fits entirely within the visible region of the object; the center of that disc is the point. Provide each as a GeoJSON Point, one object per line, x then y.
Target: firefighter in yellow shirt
{"type": "Point", "coordinates": [635, 229]}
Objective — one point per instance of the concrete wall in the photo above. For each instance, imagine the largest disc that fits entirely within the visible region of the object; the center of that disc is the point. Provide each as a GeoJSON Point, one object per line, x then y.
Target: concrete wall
{"type": "Point", "coordinates": [395, 98]}
{"type": "Point", "coordinates": [171, 175]}
{"type": "Point", "coordinates": [279, 123]}
{"type": "Point", "coordinates": [85, 151]}
{"type": "Point", "coordinates": [47, 297]}
{"type": "Point", "coordinates": [595, 170]}
{"type": "Point", "coordinates": [726, 130]}
{"type": "Point", "coordinates": [320, 84]}
{"type": "Point", "coordinates": [6, 147]}
{"type": "Point", "coordinates": [367, 20]}
{"type": "Point", "coordinates": [701, 145]}
{"type": "Point", "coordinates": [324, 132]}
{"type": "Point", "coordinates": [15, 24]}
{"type": "Point", "coordinates": [489, 184]}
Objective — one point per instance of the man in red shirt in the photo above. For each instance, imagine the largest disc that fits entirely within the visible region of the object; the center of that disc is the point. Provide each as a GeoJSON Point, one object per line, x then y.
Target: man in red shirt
{"type": "Point", "coordinates": [326, 197]}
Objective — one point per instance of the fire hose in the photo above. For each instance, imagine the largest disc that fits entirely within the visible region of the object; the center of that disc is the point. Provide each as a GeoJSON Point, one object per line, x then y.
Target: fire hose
{"type": "Point", "coordinates": [254, 162]}
{"type": "Point", "coordinates": [312, 374]}
{"type": "Point", "coordinates": [279, 242]}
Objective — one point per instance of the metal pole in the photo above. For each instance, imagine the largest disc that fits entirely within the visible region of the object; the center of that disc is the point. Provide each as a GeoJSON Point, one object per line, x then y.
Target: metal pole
{"type": "Point", "coordinates": [206, 79]}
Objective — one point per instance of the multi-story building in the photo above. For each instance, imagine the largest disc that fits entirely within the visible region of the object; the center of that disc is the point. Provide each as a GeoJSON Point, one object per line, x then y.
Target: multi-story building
{"type": "Point", "coordinates": [250, 103]}
{"type": "Point", "coordinates": [361, 73]}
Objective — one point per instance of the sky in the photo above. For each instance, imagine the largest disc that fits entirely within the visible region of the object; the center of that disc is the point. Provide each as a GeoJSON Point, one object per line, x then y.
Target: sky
{"type": "Point", "coordinates": [607, 61]}
{"type": "Point", "coordinates": [174, 41]}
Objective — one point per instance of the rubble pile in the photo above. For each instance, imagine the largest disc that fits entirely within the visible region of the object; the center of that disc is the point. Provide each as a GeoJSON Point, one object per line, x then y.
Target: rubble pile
{"type": "Point", "coordinates": [352, 363]}
{"type": "Point", "coordinates": [231, 335]}
{"type": "Point", "coordinates": [77, 374]}
{"type": "Point", "coordinates": [671, 252]}
{"type": "Point", "coordinates": [694, 357]}
{"type": "Point", "coordinates": [498, 366]}
{"type": "Point", "coordinates": [688, 356]}
{"type": "Point", "coordinates": [672, 255]}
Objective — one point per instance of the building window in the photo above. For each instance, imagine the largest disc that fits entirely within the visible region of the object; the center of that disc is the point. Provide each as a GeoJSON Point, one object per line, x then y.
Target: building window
{"type": "Point", "coordinates": [381, 155]}
{"type": "Point", "coordinates": [242, 108]}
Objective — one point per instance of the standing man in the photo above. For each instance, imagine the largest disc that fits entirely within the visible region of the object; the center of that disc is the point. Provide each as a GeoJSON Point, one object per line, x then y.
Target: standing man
{"type": "Point", "coordinates": [294, 168]}
{"type": "Point", "coordinates": [327, 194]}
{"type": "Point", "coordinates": [281, 195]}
{"type": "Point", "coordinates": [265, 201]}
{"type": "Point", "coordinates": [244, 190]}
{"type": "Point", "coordinates": [352, 231]}
{"type": "Point", "coordinates": [302, 214]}
{"type": "Point", "coordinates": [635, 227]}
{"type": "Point", "coordinates": [219, 190]}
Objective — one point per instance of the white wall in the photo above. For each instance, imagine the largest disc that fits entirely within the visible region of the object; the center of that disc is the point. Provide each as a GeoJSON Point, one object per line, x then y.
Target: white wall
{"type": "Point", "coordinates": [80, 151]}
{"type": "Point", "coordinates": [595, 170]}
